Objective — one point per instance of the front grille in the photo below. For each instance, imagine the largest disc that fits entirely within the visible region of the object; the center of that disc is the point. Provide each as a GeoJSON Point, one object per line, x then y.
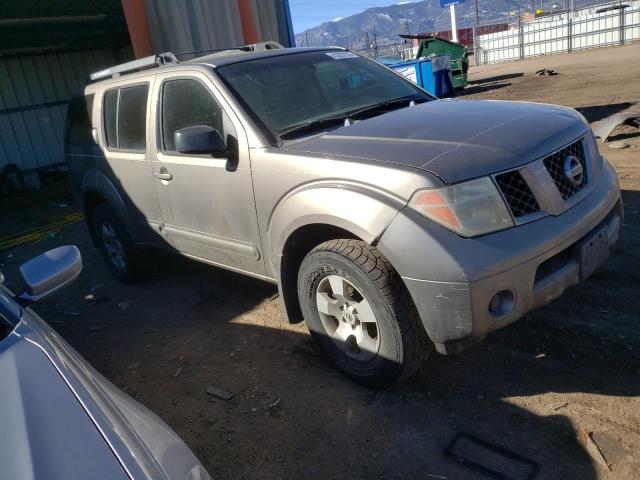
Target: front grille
{"type": "Point", "coordinates": [555, 166]}
{"type": "Point", "coordinates": [517, 193]}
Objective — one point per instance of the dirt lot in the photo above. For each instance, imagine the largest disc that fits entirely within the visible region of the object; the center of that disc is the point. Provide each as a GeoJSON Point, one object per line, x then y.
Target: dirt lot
{"type": "Point", "coordinates": [529, 388]}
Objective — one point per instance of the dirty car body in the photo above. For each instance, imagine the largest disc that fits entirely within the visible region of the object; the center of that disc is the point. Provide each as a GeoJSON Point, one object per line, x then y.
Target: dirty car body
{"type": "Point", "coordinates": [483, 210]}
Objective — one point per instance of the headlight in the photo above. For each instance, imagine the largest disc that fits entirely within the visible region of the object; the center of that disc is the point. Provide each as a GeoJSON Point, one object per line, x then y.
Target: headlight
{"type": "Point", "coordinates": [469, 208]}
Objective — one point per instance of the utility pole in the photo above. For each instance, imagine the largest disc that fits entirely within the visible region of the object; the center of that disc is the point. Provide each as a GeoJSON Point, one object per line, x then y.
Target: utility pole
{"type": "Point", "coordinates": [306, 35]}
{"type": "Point", "coordinates": [375, 42]}
{"type": "Point", "coordinates": [477, 14]}
{"type": "Point", "coordinates": [454, 27]}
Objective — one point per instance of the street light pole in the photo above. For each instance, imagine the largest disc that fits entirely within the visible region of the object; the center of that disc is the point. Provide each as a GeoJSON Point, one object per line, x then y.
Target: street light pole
{"type": "Point", "coordinates": [454, 27]}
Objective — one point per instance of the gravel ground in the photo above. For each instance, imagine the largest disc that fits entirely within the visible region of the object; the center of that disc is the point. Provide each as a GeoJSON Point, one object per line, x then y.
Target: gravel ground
{"type": "Point", "coordinates": [530, 388]}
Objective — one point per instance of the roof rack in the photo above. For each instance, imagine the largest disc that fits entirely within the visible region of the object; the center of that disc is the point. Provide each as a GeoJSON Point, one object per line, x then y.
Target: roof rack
{"type": "Point", "coordinates": [254, 47]}
{"type": "Point", "coordinates": [134, 66]}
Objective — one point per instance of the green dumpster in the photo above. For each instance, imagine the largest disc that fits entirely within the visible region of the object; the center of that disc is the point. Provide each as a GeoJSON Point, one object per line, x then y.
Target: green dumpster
{"type": "Point", "coordinates": [457, 53]}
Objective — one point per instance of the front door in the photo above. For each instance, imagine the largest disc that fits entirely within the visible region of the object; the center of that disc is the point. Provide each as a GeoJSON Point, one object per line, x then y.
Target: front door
{"type": "Point", "coordinates": [207, 203]}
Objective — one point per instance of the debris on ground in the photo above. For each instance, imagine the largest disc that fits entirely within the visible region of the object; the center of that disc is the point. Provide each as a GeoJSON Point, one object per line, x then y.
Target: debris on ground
{"type": "Point", "coordinates": [68, 313]}
{"type": "Point", "coordinates": [489, 459]}
{"type": "Point", "coordinates": [546, 71]}
{"type": "Point", "coordinates": [220, 393]}
{"type": "Point", "coordinates": [147, 332]}
{"type": "Point", "coordinates": [175, 375]}
{"type": "Point", "coordinates": [619, 145]}
{"type": "Point", "coordinates": [90, 298]}
{"type": "Point", "coordinates": [124, 306]}
{"type": "Point", "coordinates": [604, 127]}
{"type": "Point", "coordinates": [593, 450]}
{"type": "Point", "coordinates": [274, 404]}
{"type": "Point", "coordinates": [96, 328]}
{"type": "Point", "coordinates": [558, 405]}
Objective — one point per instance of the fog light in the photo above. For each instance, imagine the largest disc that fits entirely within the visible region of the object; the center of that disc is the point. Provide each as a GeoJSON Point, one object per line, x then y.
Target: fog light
{"type": "Point", "coordinates": [501, 304]}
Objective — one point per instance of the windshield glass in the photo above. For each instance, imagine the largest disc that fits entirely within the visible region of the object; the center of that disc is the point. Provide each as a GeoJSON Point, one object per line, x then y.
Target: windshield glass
{"type": "Point", "coordinates": [291, 90]}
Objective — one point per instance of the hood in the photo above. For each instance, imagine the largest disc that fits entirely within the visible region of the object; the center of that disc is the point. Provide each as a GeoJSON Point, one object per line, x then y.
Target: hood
{"type": "Point", "coordinates": [48, 433]}
{"type": "Point", "coordinates": [455, 140]}
{"type": "Point", "coordinates": [67, 421]}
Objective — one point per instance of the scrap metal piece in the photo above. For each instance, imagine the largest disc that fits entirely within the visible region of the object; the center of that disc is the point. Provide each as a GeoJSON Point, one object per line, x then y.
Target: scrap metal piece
{"type": "Point", "coordinates": [593, 450]}
{"type": "Point", "coordinates": [604, 127]}
{"type": "Point", "coordinates": [489, 459]}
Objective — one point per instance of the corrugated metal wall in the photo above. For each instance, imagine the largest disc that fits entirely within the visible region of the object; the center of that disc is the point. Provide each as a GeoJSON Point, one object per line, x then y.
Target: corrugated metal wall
{"type": "Point", "coordinates": [195, 25]}
{"type": "Point", "coordinates": [34, 91]}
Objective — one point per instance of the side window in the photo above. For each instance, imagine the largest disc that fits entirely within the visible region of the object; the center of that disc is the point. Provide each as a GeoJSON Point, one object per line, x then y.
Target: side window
{"type": "Point", "coordinates": [110, 109]}
{"type": "Point", "coordinates": [132, 118]}
{"type": "Point", "coordinates": [79, 127]}
{"type": "Point", "coordinates": [125, 118]}
{"type": "Point", "coordinates": [186, 103]}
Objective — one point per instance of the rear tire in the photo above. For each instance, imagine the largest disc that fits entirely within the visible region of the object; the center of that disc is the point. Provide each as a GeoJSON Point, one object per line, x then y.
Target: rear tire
{"type": "Point", "coordinates": [122, 256]}
{"type": "Point", "coordinates": [360, 313]}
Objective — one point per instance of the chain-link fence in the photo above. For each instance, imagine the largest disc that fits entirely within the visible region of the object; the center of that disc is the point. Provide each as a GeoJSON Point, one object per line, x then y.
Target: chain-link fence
{"type": "Point", "coordinates": [391, 51]}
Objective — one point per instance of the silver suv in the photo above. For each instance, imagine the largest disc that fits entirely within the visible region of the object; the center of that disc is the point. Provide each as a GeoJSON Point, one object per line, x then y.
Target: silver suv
{"type": "Point", "coordinates": [392, 222]}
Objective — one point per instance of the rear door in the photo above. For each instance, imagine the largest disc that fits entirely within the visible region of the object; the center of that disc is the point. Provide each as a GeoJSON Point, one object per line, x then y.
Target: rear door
{"type": "Point", "coordinates": [207, 203]}
{"type": "Point", "coordinates": [124, 115]}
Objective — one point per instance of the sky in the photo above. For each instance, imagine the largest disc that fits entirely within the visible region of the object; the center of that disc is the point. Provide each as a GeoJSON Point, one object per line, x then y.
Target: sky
{"type": "Point", "coordinates": [310, 13]}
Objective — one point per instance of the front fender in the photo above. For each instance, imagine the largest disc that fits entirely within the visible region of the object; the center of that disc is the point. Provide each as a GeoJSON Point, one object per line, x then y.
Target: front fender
{"type": "Point", "coordinates": [364, 211]}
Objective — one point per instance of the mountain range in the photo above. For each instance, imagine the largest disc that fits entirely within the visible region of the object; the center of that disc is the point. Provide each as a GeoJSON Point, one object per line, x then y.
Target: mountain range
{"type": "Point", "coordinates": [416, 17]}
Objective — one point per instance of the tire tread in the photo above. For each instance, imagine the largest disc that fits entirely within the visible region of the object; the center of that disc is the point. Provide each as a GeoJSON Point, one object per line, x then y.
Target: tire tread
{"type": "Point", "coordinates": [415, 342]}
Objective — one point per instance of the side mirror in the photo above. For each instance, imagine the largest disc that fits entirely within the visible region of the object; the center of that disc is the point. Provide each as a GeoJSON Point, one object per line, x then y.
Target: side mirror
{"type": "Point", "coordinates": [49, 272]}
{"type": "Point", "coordinates": [199, 139]}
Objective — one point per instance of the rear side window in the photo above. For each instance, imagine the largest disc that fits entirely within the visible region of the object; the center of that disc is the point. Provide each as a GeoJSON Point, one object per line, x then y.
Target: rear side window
{"type": "Point", "coordinates": [186, 103]}
{"type": "Point", "coordinates": [125, 118]}
{"type": "Point", "coordinates": [110, 115]}
{"type": "Point", "coordinates": [132, 118]}
{"type": "Point", "coordinates": [79, 127]}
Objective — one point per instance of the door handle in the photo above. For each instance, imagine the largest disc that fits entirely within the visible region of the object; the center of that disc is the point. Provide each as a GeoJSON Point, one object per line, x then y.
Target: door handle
{"type": "Point", "coordinates": [164, 176]}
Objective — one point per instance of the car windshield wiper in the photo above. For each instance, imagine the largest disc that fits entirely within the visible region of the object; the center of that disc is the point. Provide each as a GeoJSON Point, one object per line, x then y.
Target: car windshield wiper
{"type": "Point", "coordinates": [386, 106]}
{"type": "Point", "coordinates": [336, 119]}
{"type": "Point", "coordinates": [312, 125]}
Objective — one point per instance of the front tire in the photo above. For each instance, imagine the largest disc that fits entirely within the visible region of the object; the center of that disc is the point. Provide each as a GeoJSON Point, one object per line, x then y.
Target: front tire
{"type": "Point", "coordinates": [122, 256]}
{"type": "Point", "coordinates": [360, 313]}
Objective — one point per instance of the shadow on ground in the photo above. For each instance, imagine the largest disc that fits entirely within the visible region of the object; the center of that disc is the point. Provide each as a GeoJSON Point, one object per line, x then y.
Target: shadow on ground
{"type": "Point", "coordinates": [496, 78]}
{"type": "Point", "coordinates": [529, 388]}
{"type": "Point", "coordinates": [471, 90]}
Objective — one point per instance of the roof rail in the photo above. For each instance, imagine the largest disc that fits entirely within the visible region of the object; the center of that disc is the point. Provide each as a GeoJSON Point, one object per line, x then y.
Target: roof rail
{"type": "Point", "coordinates": [134, 66]}
{"type": "Point", "coordinates": [261, 46]}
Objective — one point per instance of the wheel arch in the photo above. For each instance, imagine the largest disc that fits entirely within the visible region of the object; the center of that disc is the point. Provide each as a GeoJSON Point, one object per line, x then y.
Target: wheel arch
{"type": "Point", "coordinates": [298, 245]}
{"type": "Point", "coordinates": [96, 189]}
{"type": "Point", "coordinates": [313, 214]}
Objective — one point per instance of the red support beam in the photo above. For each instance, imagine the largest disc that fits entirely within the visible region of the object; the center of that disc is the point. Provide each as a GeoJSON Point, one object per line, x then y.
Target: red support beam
{"type": "Point", "coordinates": [248, 20]}
{"type": "Point", "coordinates": [138, 27]}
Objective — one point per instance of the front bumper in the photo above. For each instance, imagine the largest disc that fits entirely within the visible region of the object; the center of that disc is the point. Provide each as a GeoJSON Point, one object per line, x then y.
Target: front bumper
{"type": "Point", "coordinates": [453, 280]}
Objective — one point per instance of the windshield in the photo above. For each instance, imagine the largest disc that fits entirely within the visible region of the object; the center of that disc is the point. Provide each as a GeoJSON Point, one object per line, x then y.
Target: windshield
{"type": "Point", "coordinates": [287, 91]}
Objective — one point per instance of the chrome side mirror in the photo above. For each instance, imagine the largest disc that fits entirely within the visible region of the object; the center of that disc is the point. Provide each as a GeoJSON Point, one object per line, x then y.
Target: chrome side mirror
{"type": "Point", "coordinates": [49, 272]}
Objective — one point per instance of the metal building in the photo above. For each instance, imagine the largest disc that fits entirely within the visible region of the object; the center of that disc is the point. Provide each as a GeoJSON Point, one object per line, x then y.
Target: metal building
{"type": "Point", "coordinates": [48, 49]}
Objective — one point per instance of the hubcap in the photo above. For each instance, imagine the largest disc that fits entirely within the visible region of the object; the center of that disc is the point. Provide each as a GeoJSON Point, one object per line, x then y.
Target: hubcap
{"type": "Point", "coordinates": [347, 317]}
{"type": "Point", "coordinates": [113, 246]}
